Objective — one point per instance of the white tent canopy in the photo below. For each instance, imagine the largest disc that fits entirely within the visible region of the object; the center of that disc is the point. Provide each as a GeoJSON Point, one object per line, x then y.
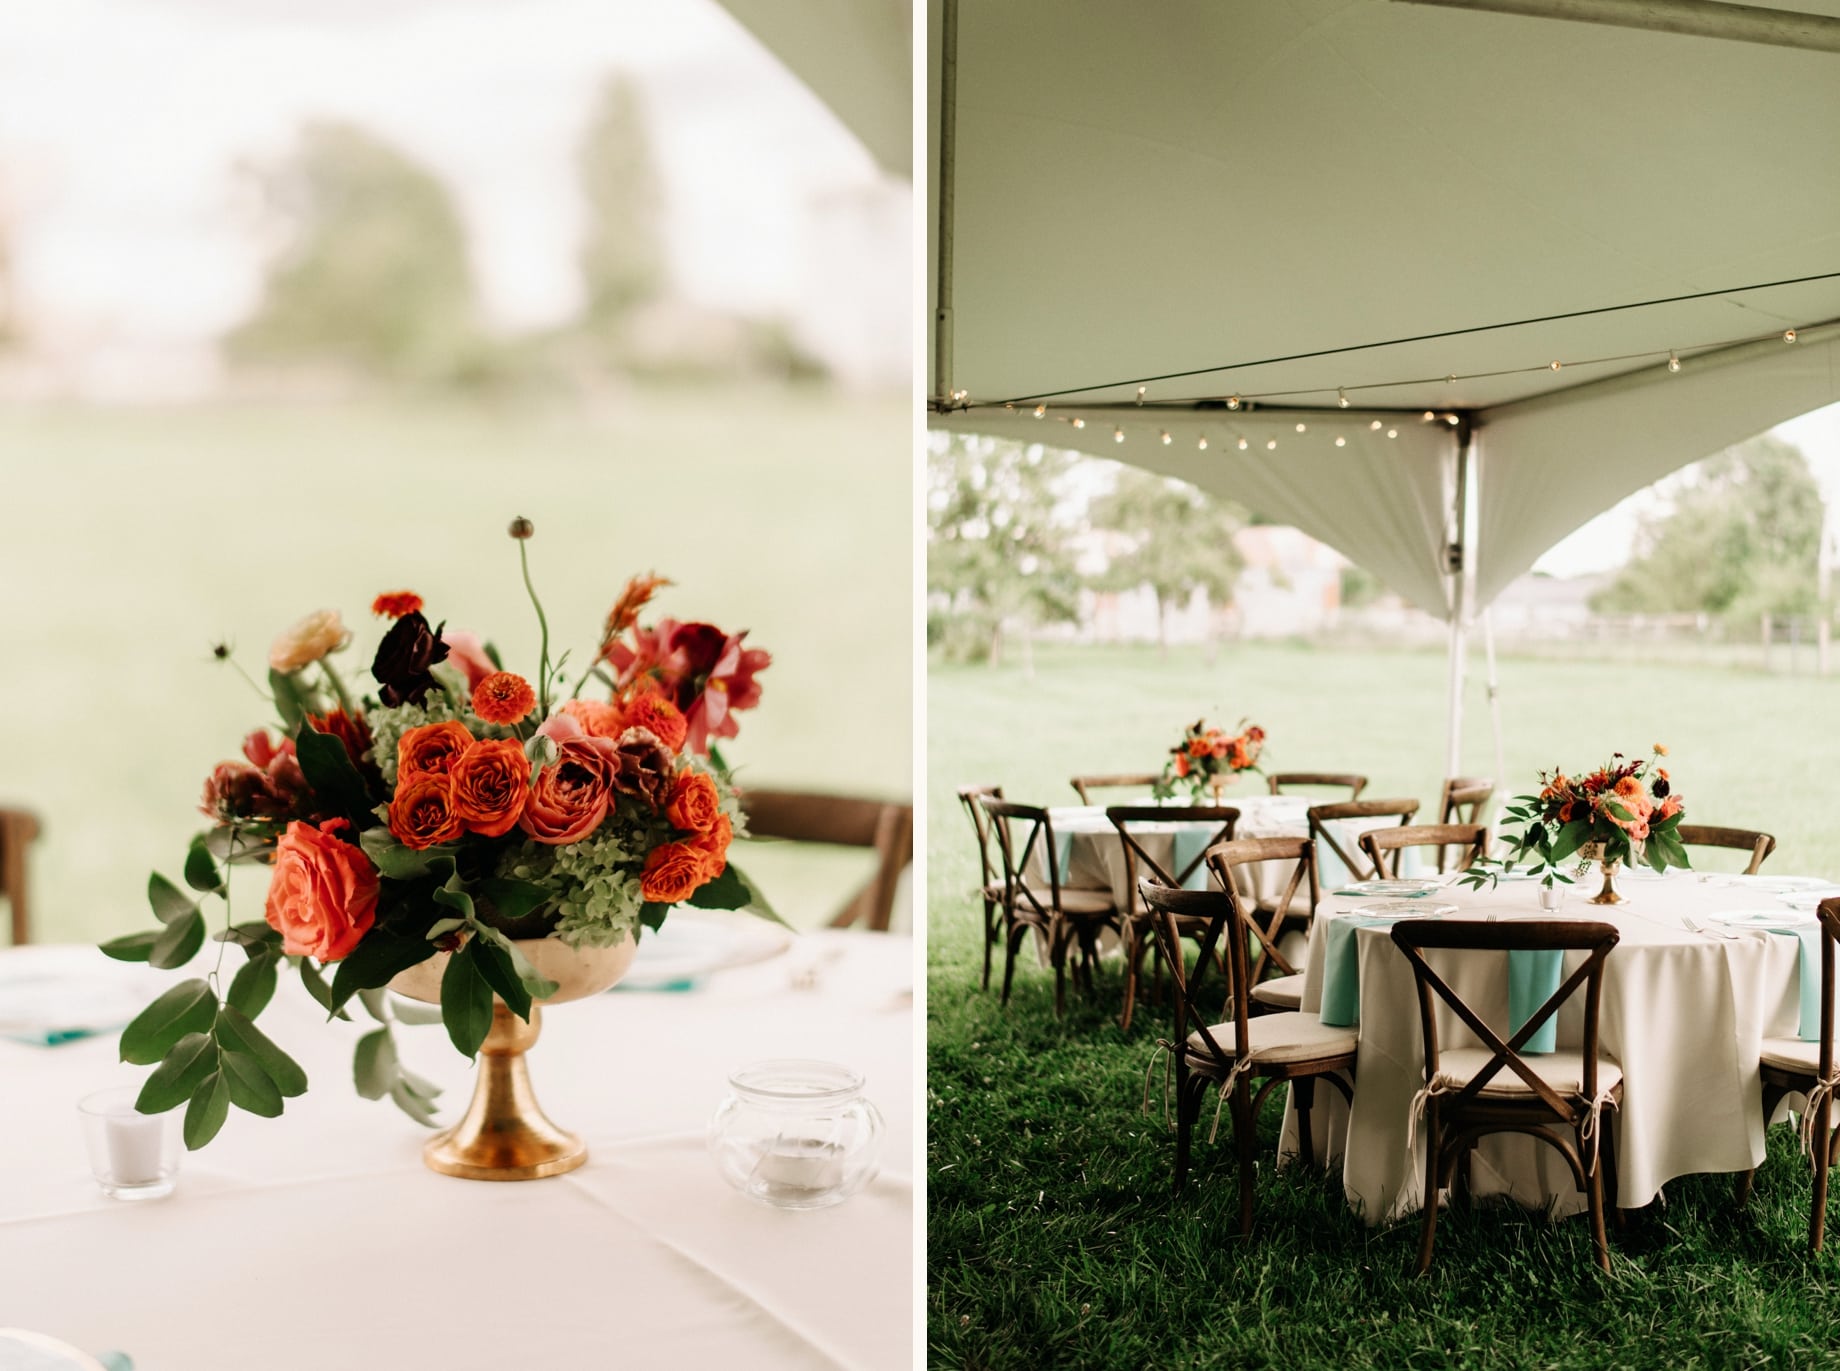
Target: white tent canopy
{"type": "Point", "coordinates": [1212, 183]}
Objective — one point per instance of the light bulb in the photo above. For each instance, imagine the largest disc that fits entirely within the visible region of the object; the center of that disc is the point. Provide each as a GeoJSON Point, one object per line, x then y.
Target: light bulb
{"type": "Point", "coordinates": [1341, 442]}
{"type": "Point", "coordinates": [1201, 442]}
{"type": "Point", "coordinates": [1117, 435]}
{"type": "Point", "coordinates": [1451, 379]}
{"type": "Point", "coordinates": [1233, 402]}
{"type": "Point", "coordinates": [1673, 362]}
{"type": "Point", "coordinates": [1079, 423]}
{"type": "Point", "coordinates": [1140, 394]}
{"type": "Point", "coordinates": [1374, 427]}
{"type": "Point", "coordinates": [1429, 416]}
{"type": "Point", "coordinates": [1243, 445]}
{"type": "Point", "coordinates": [1167, 440]}
{"type": "Point", "coordinates": [1303, 428]}
{"type": "Point", "coordinates": [1555, 364]}
{"type": "Point", "coordinates": [1040, 410]}
{"type": "Point", "coordinates": [1788, 335]}
{"type": "Point", "coordinates": [1271, 445]}
{"type": "Point", "coordinates": [1392, 433]}
{"type": "Point", "coordinates": [1451, 419]}
{"type": "Point", "coordinates": [1341, 397]}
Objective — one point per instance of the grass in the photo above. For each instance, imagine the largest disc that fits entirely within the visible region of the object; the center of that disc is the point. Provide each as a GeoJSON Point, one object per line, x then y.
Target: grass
{"type": "Point", "coordinates": [136, 538]}
{"type": "Point", "coordinates": [1052, 1240]}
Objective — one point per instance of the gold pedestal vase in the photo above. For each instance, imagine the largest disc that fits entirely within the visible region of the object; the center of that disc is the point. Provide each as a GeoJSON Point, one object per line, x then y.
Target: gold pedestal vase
{"type": "Point", "coordinates": [1594, 852]}
{"type": "Point", "coordinates": [504, 1134]}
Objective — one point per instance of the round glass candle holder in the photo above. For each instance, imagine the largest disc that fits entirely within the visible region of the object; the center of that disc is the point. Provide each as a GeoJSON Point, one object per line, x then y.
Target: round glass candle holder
{"type": "Point", "coordinates": [796, 1134]}
{"type": "Point", "coordinates": [134, 1156]}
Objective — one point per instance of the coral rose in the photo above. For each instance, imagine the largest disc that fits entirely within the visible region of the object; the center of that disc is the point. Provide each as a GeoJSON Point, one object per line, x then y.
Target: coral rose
{"type": "Point", "coordinates": [673, 872]}
{"type": "Point", "coordinates": [307, 640]}
{"type": "Point", "coordinates": [694, 805]}
{"type": "Point", "coordinates": [659, 717]}
{"type": "Point", "coordinates": [393, 604]}
{"type": "Point", "coordinates": [1182, 766]}
{"type": "Point", "coordinates": [714, 844]}
{"type": "Point", "coordinates": [430, 750]}
{"type": "Point", "coordinates": [465, 651]}
{"type": "Point", "coordinates": [503, 698]}
{"type": "Point", "coordinates": [422, 812]}
{"type": "Point", "coordinates": [491, 782]}
{"type": "Point", "coordinates": [322, 898]}
{"type": "Point", "coordinates": [569, 798]}
{"type": "Point", "coordinates": [597, 718]}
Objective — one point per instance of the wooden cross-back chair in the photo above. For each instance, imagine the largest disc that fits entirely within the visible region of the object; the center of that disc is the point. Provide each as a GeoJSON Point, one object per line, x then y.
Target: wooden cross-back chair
{"type": "Point", "coordinates": [1138, 935]}
{"type": "Point", "coordinates": [1378, 843]}
{"type": "Point", "coordinates": [1266, 919]}
{"type": "Point", "coordinates": [1271, 1049]}
{"type": "Point", "coordinates": [1325, 831]}
{"type": "Point", "coordinates": [1759, 845]}
{"type": "Point", "coordinates": [1471, 1092]}
{"type": "Point", "coordinates": [1334, 780]}
{"type": "Point", "coordinates": [990, 873]}
{"type": "Point", "coordinates": [1465, 800]}
{"type": "Point", "coordinates": [1794, 1067]}
{"type": "Point", "coordinates": [1085, 785]}
{"type": "Point", "coordinates": [842, 821]}
{"type": "Point", "coordinates": [1064, 917]}
{"type": "Point", "coordinates": [18, 830]}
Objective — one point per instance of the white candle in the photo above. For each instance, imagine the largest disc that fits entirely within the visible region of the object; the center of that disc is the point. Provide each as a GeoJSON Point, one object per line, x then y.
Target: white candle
{"type": "Point", "coordinates": [135, 1143]}
{"type": "Point", "coordinates": [802, 1165]}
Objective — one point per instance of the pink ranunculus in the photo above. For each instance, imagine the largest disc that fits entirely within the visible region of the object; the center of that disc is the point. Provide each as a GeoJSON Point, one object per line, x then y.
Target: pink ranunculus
{"type": "Point", "coordinates": [570, 796]}
{"type": "Point", "coordinates": [465, 651]}
{"type": "Point", "coordinates": [322, 898]}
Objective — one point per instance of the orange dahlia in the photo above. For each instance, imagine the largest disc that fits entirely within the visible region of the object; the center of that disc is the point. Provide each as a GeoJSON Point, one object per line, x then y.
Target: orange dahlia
{"type": "Point", "coordinates": [393, 604]}
{"type": "Point", "coordinates": [504, 697]}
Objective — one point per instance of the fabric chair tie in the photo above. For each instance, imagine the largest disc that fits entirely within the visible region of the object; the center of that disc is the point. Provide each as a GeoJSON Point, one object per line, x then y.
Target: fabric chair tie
{"type": "Point", "coordinates": [1440, 1085]}
{"type": "Point", "coordinates": [1241, 1066]}
{"type": "Point", "coordinates": [1824, 1090]}
{"type": "Point", "coordinates": [1588, 1129]}
{"type": "Point", "coordinates": [1168, 1049]}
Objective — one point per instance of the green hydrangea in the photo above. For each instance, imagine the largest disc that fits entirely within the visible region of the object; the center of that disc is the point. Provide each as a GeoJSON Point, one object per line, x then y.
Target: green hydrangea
{"type": "Point", "coordinates": [596, 882]}
{"type": "Point", "coordinates": [389, 722]}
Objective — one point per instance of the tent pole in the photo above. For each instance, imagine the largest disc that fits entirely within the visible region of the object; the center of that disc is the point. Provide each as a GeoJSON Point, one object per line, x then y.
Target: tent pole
{"type": "Point", "coordinates": [1488, 647]}
{"type": "Point", "coordinates": [1456, 560]}
{"type": "Point", "coordinates": [1697, 18]}
{"type": "Point", "coordinates": [946, 191]}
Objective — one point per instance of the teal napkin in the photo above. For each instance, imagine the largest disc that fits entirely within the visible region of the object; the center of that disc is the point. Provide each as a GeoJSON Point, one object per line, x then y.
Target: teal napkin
{"type": "Point", "coordinates": [1532, 978]}
{"type": "Point", "coordinates": [1191, 843]}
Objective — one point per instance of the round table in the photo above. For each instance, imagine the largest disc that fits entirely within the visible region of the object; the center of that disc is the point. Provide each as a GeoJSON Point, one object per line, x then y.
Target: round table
{"type": "Point", "coordinates": [1684, 1013]}
{"type": "Point", "coordinates": [319, 1239]}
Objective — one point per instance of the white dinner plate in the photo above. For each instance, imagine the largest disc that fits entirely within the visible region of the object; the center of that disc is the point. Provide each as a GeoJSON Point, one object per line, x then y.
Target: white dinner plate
{"type": "Point", "coordinates": [1761, 918]}
{"type": "Point", "coordinates": [50, 995]}
{"type": "Point", "coordinates": [1780, 885]}
{"type": "Point", "coordinates": [1388, 887]}
{"type": "Point", "coordinates": [1407, 909]}
{"type": "Point", "coordinates": [697, 942]}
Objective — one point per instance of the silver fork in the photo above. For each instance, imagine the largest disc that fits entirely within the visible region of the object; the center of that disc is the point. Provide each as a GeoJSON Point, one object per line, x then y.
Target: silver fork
{"type": "Point", "coordinates": [1694, 926]}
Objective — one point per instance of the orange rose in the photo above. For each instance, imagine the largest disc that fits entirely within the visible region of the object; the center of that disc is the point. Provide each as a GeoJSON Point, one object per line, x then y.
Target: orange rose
{"type": "Point", "coordinates": [430, 750]}
{"type": "Point", "coordinates": [1182, 764]}
{"type": "Point", "coordinates": [570, 796]}
{"type": "Point", "coordinates": [322, 897]}
{"type": "Point", "coordinates": [422, 814]}
{"type": "Point", "coordinates": [673, 872]}
{"type": "Point", "coordinates": [694, 805]}
{"type": "Point", "coordinates": [597, 718]}
{"type": "Point", "coordinates": [491, 782]}
{"type": "Point", "coordinates": [662, 719]}
{"type": "Point", "coordinates": [1669, 808]}
{"type": "Point", "coordinates": [714, 844]}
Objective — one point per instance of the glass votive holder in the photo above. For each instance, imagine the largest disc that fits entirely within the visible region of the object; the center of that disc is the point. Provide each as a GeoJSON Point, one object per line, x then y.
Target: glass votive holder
{"type": "Point", "coordinates": [1552, 897]}
{"type": "Point", "coordinates": [796, 1134]}
{"type": "Point", "coordinates": [134, 1156]}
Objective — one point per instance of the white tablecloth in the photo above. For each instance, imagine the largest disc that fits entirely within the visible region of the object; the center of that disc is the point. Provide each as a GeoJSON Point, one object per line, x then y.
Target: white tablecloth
{"type": "Point", "coordinates": [1096, 853]}
{"type": "Point", "coordinates": [1684, 1014]}
{"type": "Point", "coordinates": [319, 1240]}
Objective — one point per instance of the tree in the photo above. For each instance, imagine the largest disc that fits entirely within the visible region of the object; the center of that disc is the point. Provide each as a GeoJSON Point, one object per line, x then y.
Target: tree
{"type": "Point", "coordinates": [1740, 538]}
{"type": "Point", "coordinates": [373, 271]}
{"type": "Point", "coordinates": [997, 555]}
{"type": "Point", "coordinates": [622, 254]}
{"type": "Point", "coordinates": [1180, 542]}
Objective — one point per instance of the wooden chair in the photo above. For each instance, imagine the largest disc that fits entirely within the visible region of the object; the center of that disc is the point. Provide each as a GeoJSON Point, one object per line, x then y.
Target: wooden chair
{"type": "Point", "coordinates": [990, 886]}
{"type": "Point", "coordinates": [1334, 779]}
{"type": "Point", "coordinates": [1085, 785]}
{"type": "Point", "coordinates": [1759, 845]}
{"type": "Point", "coordinates": [1137, 932]}
{"type": "Point", "coordinates": [1272, 1048]}
{"type": "Point", "coordinates": [1465, 800]}
{"type": "Point", "coordinates": [1376, 843]}
{"type": "Point", "coordinates": [18, 830]}
{"type": "Point", "coordinates": [1268, 918]}
{"type": "Point", "coordinates": [1321, 818]}
{"type": "Point", "coordinates": [1064, 917]}
{"type": "Point", "coordinates": [1471, 1092]}
{"type": "Point", "coordinates": [842, 821]}
{"type": "Point", "coordinates": [1794, 1067]}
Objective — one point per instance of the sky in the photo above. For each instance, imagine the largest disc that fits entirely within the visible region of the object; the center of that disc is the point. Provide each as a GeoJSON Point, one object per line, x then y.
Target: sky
{"type": "Point", "coordinates": [123, 124]}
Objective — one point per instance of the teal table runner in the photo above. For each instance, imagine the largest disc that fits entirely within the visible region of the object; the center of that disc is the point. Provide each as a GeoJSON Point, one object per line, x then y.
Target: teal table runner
{"type": "Point", "coordinates": [1808, 933]}
{"type": "Point", "coordinates": [1191, 840]}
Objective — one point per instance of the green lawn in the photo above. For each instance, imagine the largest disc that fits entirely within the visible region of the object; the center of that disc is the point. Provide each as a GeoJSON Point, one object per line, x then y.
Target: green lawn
{"type": "Point", "coordinates": [135, 538]}
{"type": "Point", "coordinates": [1051, 1237]}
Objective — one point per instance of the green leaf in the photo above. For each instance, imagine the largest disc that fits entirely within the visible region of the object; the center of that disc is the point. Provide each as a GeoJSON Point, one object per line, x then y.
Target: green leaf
{"type": "Point", "coordinates": [414, 1012]}
{"type": "Point", "coordinates": [168, 901]}
{"type": "Point", "coordinates": [491, 651]}
{"type": "Point", "coordinates": [253, 938]}
{"type": "Point", "coordinates": [178, 942]}
{"type": "Point", "coordinates": [201, 867]}
{"type": "Point", "coordinates": [251, 1087]}
{"type": "Point", "coordinates": [1567, 842]}
{"type": "Point", "coordinates": [319, 990]}
{"type": "Point", "coordinates": [335, 781]}
{"type": "Point", "coordinates": [192, 1058]}
{"type": "Point", "coordinates": [188, 1007]}
{"type": "Point", "coordinates": [236, 1034]}
{"type": "Point", "coordinates": [402, 863]}
{"type": "Point", "coordinates": [499, 973]}
{"type": "Point", "coordinates": [375, 962]}
{"type": "Point", "coordinates": [418, 1085]}
{"type": "Point", "coordinates": [375, 1004]}
{"type": "Point", "coordinates": [651, 915]}
{"type": "Point", "coordinates": [466, 1001]}
{"type": "Point", "coordinates": [442, 927]}
{"type": "Point", "coordinates": [727, 891]}
{"type": "Point", "coordinates": [412, 1104]}
{"type": "Point", "coordinates": [290, 699]}
{"type": "Point", "coordinates": [374, 1066]}
{"type": "Point", "coordinates": [131, 947]}
{"type": "Point", "coordinates": [206, 1113]}
{"type": "Point", "coordinates": [454, 895]}
{"type": "Point", "coordinates": [538, 987]}
{"type": "Point", "coordinates": [513, 899]}
{"type": "Point", "coordinates": [253, 985]}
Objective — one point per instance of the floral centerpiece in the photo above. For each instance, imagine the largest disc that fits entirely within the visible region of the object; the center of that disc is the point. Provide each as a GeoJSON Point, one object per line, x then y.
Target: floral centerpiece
{"type": "Point", "coordinates": [1623, 812]}
{"type": "Point", "coordinates": [1208, 758]}
{"type": "Point", "coordinates": [457, 809]}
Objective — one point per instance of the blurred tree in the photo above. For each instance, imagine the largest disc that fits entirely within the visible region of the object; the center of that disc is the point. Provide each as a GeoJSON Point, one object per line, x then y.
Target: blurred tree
{"type": "Point", "coordinates": [622, 252]}
{"type": "Point", "coordinates": [373, 271]}
{"type": "Point", "coordinates": [997, 555]}
{"type": "Point", "coordinates": [1739, 538]}
{"type": "Point", "coordinates": [1180, 542]}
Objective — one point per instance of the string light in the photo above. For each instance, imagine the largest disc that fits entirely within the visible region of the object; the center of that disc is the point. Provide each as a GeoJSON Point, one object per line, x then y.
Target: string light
{"type": "Point", "coordinates": [1556, 364]}
{"type": "Point", "coordinates": [1271, 445]}
{"type": "Point", "coordinates": [1117, 435]}
{"type": "Point", "coordinates": [1243, 445]}
{"type": "Point", "coordinates": [1451, 419]}
{"type": "Point", "coordinates": [1673, 361]}
{"type": "Point", "coordinates": [1167, 440]}
{"type": "Point", "coordinates": [1451, 379]}
{"type": "Point", "coordinates": [1233, 402]}
{"type": "Point", "coordinates": [1374, 427]}
{"type": "Point", "coordinates": [1303, 428]}
{"type": "Point", "coordinates": [1341, 397]}
{"type": "Point", "coordinates": [1341, 442]}
{"type": "Point", "coordinates": [1429, 416]}
{"type": "Point", "coordinates": [1140, 393]}
{"type": "Point", "coordinates": [1201, 443]}
{"type": "Point", "coordinates": [1392, 433]}
{"type": "Point", "coordinates": [1788, 335]}
{"type": "Point", "coordinates": [1040, 410]}
{"type": "Point", "coordinates": [1079, 423]}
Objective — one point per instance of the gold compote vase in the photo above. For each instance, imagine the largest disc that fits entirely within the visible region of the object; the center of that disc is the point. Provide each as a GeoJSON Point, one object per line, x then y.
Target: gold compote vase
{"type": "Point", "coordinates": [504, 1134]}
{"type": "Point", "coordinates": [1594, 852]}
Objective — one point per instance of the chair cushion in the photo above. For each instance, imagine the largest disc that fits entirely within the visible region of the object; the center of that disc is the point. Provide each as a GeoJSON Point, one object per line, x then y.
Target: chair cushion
{"type": "Point", "coordinates": [1284, 991]}
{"type": "Point", "coordinates": [1276, 1039]}
{"type": "Point", "coordinates": [1792, 1054]}
{"type": "Point", "coordinates": [994, 891]}
{"type": "Point", "coordinates": [1563, 1071]}
{"type": "Point", "coordinates": [1078, 900]}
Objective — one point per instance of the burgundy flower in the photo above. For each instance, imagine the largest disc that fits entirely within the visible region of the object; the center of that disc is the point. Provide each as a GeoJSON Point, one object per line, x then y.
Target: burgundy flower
{"type": "Point", "coordinates": [643, 767]}
{"type": "Point", "coordinates": [403, 660]}
{"type": "Point", "coordinates": [706, 672]}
